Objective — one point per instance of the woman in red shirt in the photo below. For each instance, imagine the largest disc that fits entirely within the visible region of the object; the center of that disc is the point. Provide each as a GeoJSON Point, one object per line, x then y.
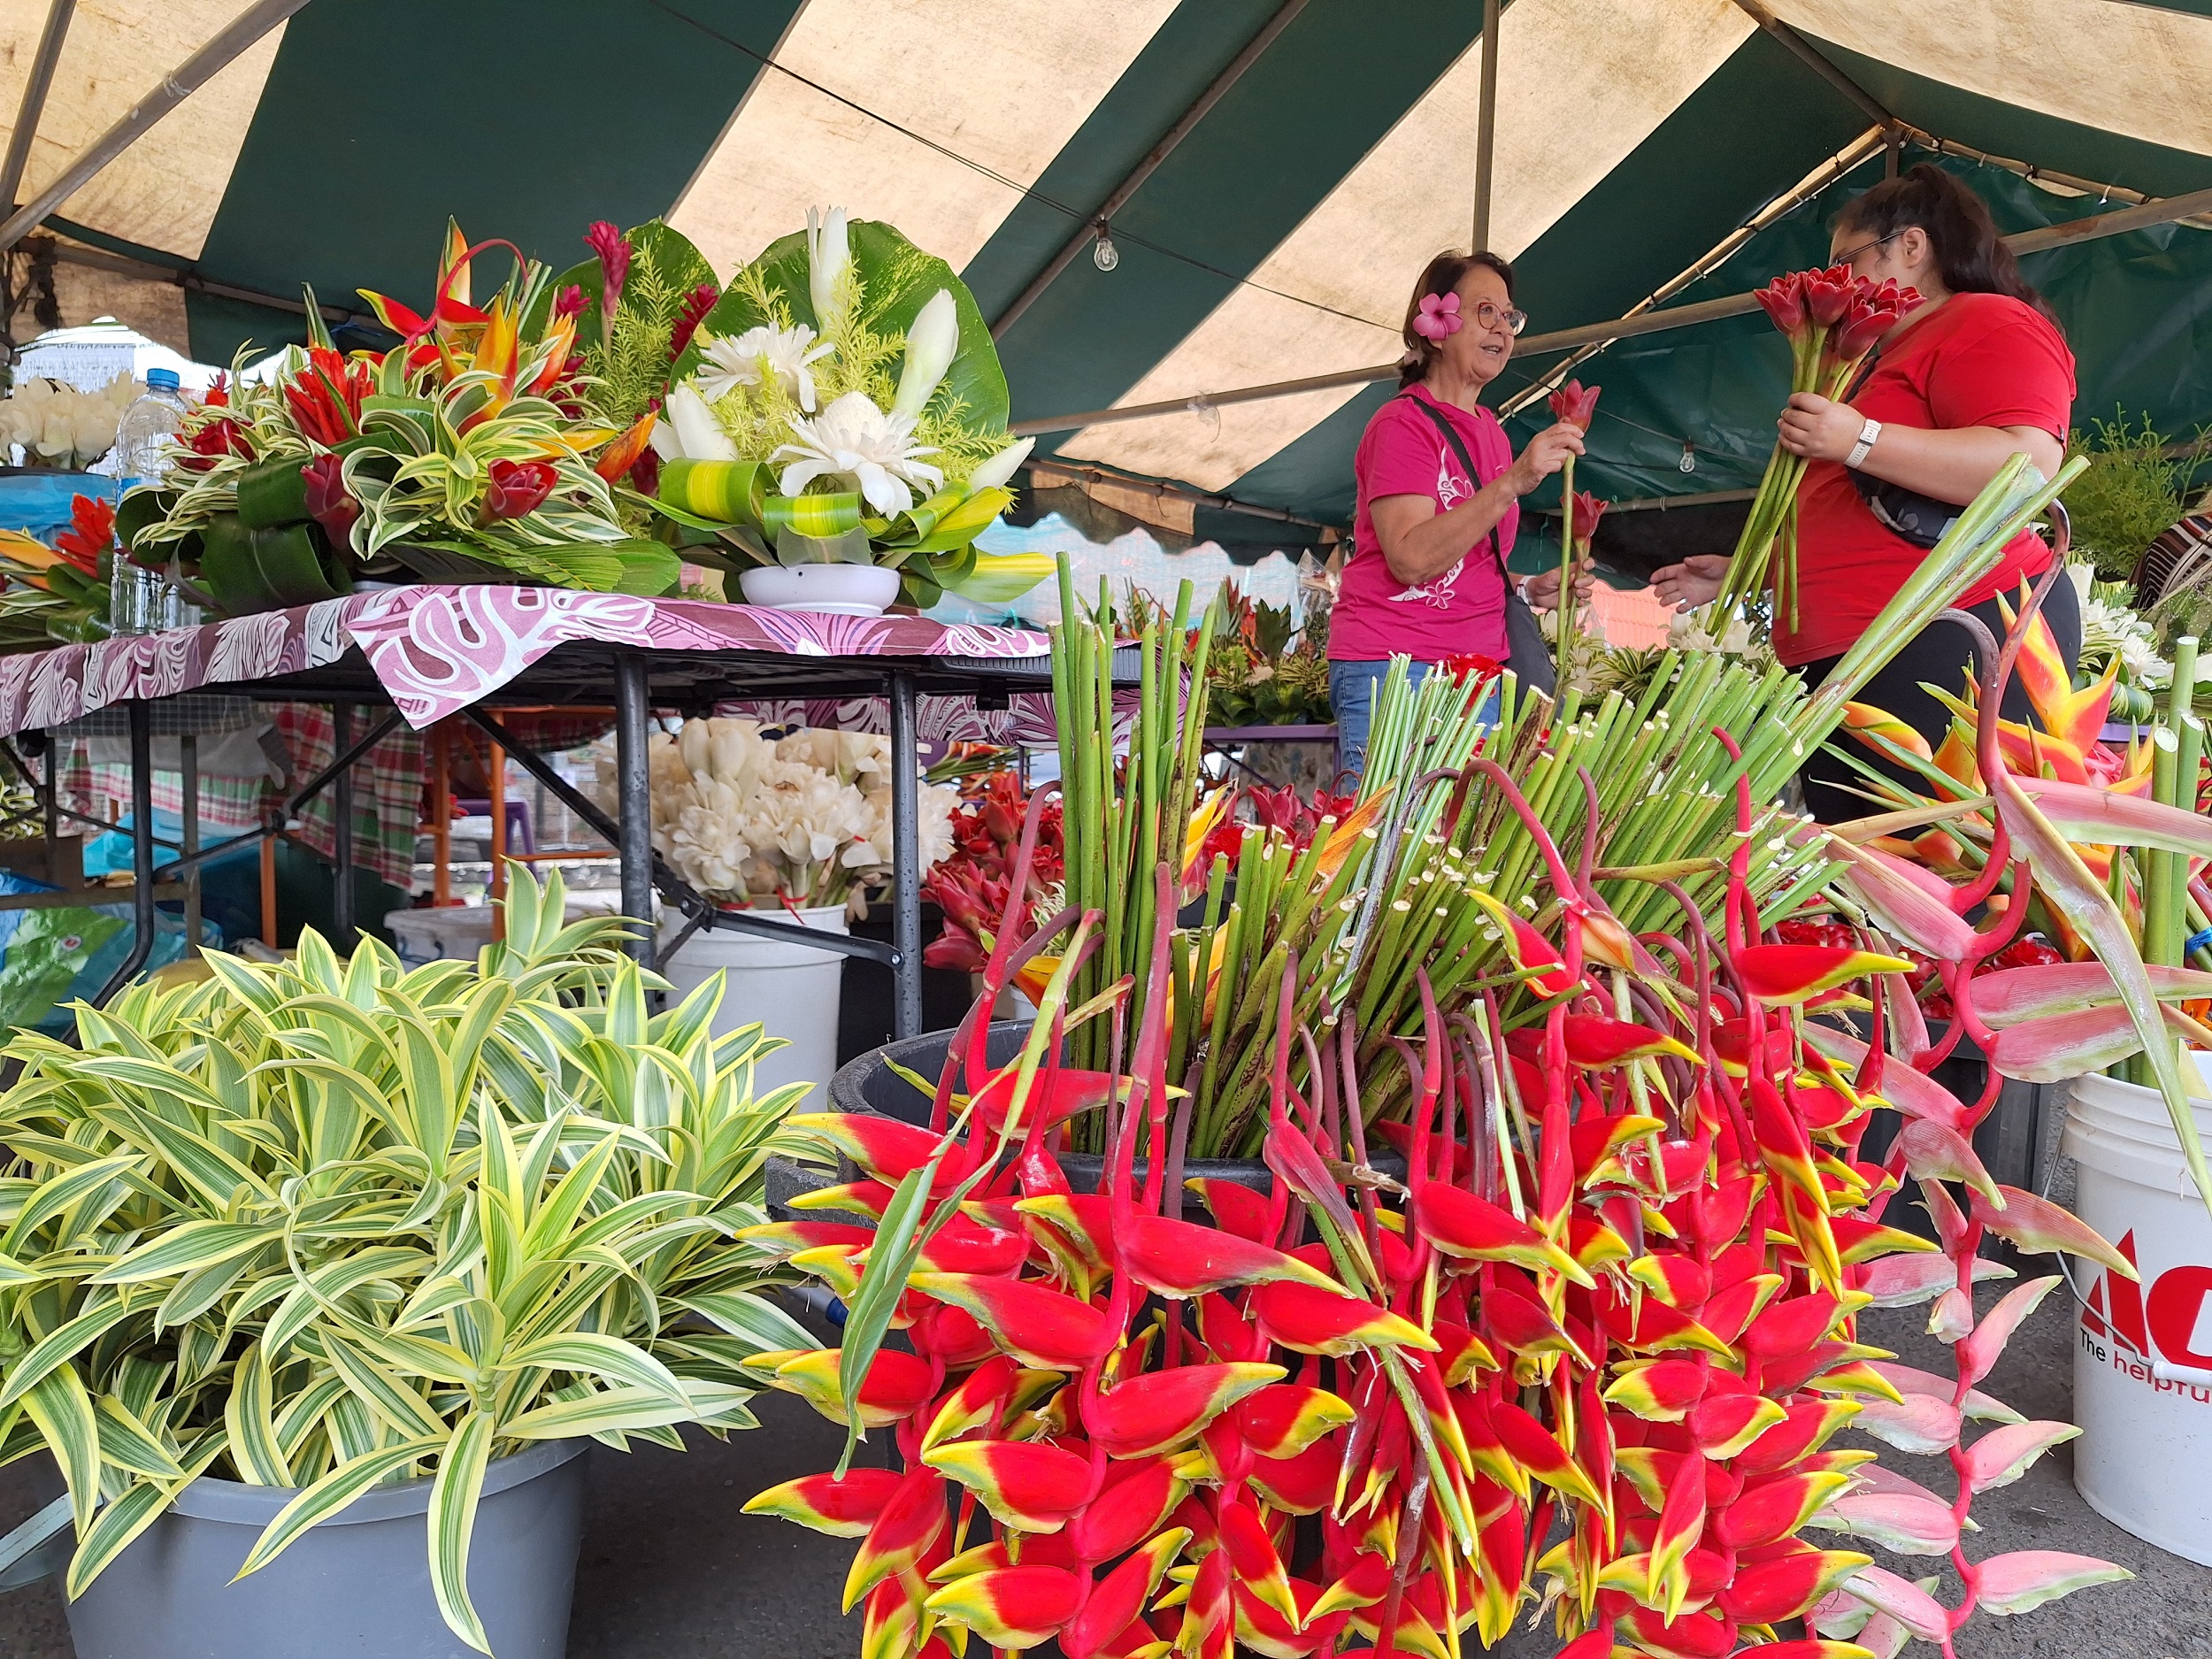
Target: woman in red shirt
{"type": "Point", "coordinates": [1427, 574]}
{"type": "Point", "coordinates": [1978, 374]}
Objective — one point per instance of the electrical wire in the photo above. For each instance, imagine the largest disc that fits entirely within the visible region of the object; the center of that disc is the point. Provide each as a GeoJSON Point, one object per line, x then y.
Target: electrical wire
{"type": "Point", "coordinates": [767, 61]}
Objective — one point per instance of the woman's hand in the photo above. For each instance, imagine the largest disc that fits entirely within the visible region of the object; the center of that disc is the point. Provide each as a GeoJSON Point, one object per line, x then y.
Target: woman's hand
{"type": "Point", "coordinates": [1696, 580]}
{"type": "Point", "coordinates": [1545, 454]}
{"type": "Point", "coordinates": [1819, 428]}
{"type": "Point", "coordinates": [1541, 590]}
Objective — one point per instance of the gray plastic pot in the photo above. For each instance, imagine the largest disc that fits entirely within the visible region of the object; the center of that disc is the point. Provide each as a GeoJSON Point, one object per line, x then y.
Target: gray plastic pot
{"type": "Point", "coordinates": [869, 1085]}
{"type": "Point", "coordinates": [358, 1584]}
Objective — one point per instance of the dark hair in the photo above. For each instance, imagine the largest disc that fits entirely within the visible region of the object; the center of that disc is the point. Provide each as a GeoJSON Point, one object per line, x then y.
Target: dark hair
{"type": "Point", "coordinates": [1968, 253]}
{"type": "Point", "coordinates": [1444, 274]}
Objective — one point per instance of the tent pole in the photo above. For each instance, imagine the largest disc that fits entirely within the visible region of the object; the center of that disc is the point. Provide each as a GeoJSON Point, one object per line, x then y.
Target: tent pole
{"type": "Point", "coordinates": [1817, 62]}
{"type": "Point", "coordinates": [2164, 210]}
{"type": "Point", "coordinates": [1486, 127]}
{"type": "Point", "coordinates": [1159, 152]}
{"type": "Point", "coordinates": [189, 77]}
{"type": "Point", "coordinates": [36, 86]}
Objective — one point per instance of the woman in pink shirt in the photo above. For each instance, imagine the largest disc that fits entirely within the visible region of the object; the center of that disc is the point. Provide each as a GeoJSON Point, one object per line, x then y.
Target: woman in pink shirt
{"type": "Point", "coordinates": [1427, 574]}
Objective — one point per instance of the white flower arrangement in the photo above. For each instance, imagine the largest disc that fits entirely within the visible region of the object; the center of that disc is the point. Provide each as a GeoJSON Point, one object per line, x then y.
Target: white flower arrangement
{"type": "Point", "coordinates": [59, 426]}
{"type": "Point", "coordinates": [2110, 628]}
{"type": "Point", "coordinates": [802, 821]}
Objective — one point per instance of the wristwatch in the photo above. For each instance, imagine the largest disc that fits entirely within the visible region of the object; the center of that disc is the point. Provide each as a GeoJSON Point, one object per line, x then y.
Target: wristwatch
{"type": "Point", "coordinates": [1869, 434]}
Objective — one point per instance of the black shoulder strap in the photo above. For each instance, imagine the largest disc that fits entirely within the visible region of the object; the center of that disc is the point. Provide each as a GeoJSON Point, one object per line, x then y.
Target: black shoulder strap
{"type": "Point", "coordinates": [1459, 448]}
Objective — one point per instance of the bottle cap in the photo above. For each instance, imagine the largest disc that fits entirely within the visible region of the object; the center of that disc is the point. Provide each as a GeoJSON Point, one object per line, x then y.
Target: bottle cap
{"type": "Point", "coordinates": [162, 380]}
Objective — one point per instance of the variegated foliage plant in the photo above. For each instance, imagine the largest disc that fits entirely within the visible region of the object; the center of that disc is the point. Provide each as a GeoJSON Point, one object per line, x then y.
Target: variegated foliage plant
{"type": "Point", "coordinates": [330, 1225]}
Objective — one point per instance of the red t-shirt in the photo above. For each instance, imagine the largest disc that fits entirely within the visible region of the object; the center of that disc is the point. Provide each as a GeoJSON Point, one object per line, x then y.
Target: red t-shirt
{"type": "Point", "coordinates": [1975, 360]}
{"type": "Point", "coordinates": [1402, 453]}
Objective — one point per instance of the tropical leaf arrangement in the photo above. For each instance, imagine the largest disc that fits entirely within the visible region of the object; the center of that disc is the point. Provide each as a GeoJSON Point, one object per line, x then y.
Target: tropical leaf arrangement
{"type": "Point", "coordinates": [57, 593]}
{"type": "Point", "coordinates": [1269, 670]}
{"type": "Point", "coordinates": [1549, 1305]}
{"type": "Point", "coordinates": [328, 1225]}
{"type": "Point", "coordinates": [843, 402]}
{"type": "Point", "coordinates": [464, 453]}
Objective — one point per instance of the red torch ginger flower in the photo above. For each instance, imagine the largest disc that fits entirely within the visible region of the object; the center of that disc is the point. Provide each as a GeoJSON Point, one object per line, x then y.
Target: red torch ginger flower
{"type": "Point", "coordinates": [1784, 301]}
{"type": "Point", "coordinates": [696, 304]}
{"type": "Point", "coordinates": [569, 302]}
{"type": "Point", "coordinates": [328, 502]}
{"type": "Point", "coordinates": [518, 489]}
{"type": "Point", "coordinates": [606, 240]}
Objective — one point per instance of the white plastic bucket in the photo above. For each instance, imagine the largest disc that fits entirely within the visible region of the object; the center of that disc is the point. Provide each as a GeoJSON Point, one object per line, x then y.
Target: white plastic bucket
{"type": "Point", "coordinates": [793, 989]}
{"type": "Point", "coordinates": [457, 931]}
{"type": "Point", "coordinates": [2143, 1352]}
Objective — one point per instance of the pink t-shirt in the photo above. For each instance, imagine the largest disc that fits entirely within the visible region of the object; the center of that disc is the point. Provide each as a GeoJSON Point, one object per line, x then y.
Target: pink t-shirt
{"type": "Point", "coordinates": [1462, 610]}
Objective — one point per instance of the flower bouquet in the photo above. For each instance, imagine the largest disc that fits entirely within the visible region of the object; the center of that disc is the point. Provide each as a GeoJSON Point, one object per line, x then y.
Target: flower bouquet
{"type": "Point", "coordinates": [462, 454]}
{"type": "Point", "coordinates": [1267, 671]}
{"type": "Point", "coordinates": [971, 884]}
{"type": "Point", "coordinates": [799, 821]}
{"type": "Point", "coordinates": [1833, 319]}
{"type": "Point", "coordinates": [57, 425]}
{"type": "Point", "coordinates": [842, 410]}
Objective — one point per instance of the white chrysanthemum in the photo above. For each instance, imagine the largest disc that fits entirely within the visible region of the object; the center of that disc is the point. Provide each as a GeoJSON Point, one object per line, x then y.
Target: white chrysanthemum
{"type": "Point", "coordinates": [855, 442]}
{"type": "Point", "coordinates": [759, 354]}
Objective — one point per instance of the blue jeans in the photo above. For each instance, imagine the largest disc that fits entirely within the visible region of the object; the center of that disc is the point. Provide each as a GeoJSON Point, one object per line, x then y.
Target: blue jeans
{"type": "Point", "coordinates": [1352, 689]}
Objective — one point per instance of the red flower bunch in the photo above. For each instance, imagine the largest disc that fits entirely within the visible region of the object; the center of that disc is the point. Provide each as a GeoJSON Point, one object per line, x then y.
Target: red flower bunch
{"type": "Point", "coordinates": [518, 489]}
{"type": "Point", "coordinates": [328, 502]}
{"type": "Point", "coordinates": [694, 311]}
{"type": "Point", "coordinates": [91, 533]}
{"type": "Point", "coordinates": [1471, 665]}
{"type": "Point", "coordinates": [570, 301]}
{"type": "Point", "coordinates": [208, 439]}
{"type": "Point", "coordinates": [324, 397]}
{"type": "Point", "coordinates": [1832, 319]}
{"type": "Point", "coordinates": [971, 885]}
{"type": "Point", "coordinates": [1587, 511]}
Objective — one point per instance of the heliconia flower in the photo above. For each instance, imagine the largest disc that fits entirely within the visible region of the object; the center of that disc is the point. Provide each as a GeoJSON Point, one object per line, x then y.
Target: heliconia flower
{"type": "Point", "coordinates": [911, 1522]}
{"type": "Point", "coordinates": [1265, 1631]}
{"type": "Point", "coordinates": [1529, 950]}
{"type": "Point", "coordinates": [1470, 1228]}
{"type": "Point", "coordinates": [1036, 1324]}
{"type": "Point", "coordinates": [1209, 1627]}
{"type": "Point", "coordinates": [1130, 1509]}
{"type": "Point", "coordinates": [886, 1147]}
{"type": "Point", "coordinates": [1786, 974]}
{"type": "Point", "coordinates": [1160, 1410]}
{"type": "Point", "coordinates": [1011, 1606]}
{"type": "Point", "coordinates": [1901, 1599]}
{"type": "Point", "coordinates": [1576, 405]}
{"type": "Point", "coordinates": [1724, 1423]}
{"type": "Point", "coordinates": [897, 1385]}
{"type": "Point", "coordinates": [1258, 1567]}
{"type": "Point", "coordinates": [2037, 1225]}
{"type": "Point", "coordinates": [1533, 1446]}
{"type": "Point", "coordinates": [1118, 1599]}
{"type": "Point", "coordinates": [1183, 1259]}
{"type": "Point", "coordinates": [1768, 1592]}
{"type": "Point", "coordinates": [1774, 1508]}
{"type": "Point", "coordinates": [1904, 1524]}
{"type": "Point", "coordinates": [1662, 1390]}
{"type": "Point", "coordinates": [1681, 1522]}
{"type": "Point", "coordinates": [1310, 1320]}
{"type": "Point", "coordinates": [1236, 1208]}
{"type": "Point", "coordinates": [1525, 1327]}
{"type": "Point", "coordinates": [1301, 1484]}
{"type": "Point", "coordinates": [866, 1197]}
{"type": "Point", "coordinates": [1053, 1097]}
{"type": "Point", "coordinates": [1865, 720]}
{"type": "Point", "coordinates": [515, 489]}
{"type": "Point", "coordinates": [844, 1506]}
{"type": "Point", "coordinates": [982, 1398]}
{"type": "Point", "coordinates": [787, 1238]}
{"type": "Point", "coordinates": [627, 451]}
{"type": "Point", "coordinates": [1805, 1428]}
{"type": "Point", "coordinates": [1593, 1040]}
{"type": "Point", "coordinates": [2003, 1454]}
{"type": "Point", "coordinates": [962, 1246]}
{"type": "Point", "coordinates": [2026, 1578]}
{"type": "Point", "coordinates": [1283, 1419]}
{"type": "Point", "coordinates": [1026, 1484]}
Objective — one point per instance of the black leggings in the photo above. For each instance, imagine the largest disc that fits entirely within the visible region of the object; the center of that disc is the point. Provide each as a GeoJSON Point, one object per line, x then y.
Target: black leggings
{"type": "Point", "coordinates": [1940, 655]}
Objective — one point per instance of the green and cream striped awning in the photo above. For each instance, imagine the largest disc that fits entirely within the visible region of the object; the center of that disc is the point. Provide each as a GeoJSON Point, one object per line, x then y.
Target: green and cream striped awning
{"type": "Point", "coordinates": [1272, 174]}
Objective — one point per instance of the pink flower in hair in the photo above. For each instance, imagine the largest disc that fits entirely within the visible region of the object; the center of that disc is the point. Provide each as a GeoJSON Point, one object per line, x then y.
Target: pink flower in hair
{"type": "Point", "coordinates": [1439, 318]}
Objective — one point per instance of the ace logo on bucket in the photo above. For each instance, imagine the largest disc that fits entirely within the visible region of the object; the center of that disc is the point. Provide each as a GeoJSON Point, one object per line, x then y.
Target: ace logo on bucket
{"type": "Point", "coordinates": [2128, 1326]}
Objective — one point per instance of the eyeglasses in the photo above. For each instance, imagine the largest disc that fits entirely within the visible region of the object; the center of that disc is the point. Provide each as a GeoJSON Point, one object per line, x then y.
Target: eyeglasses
{"type": "Point", "coordinates": [1487, 316]}
{"type": "Point", "coordinates": [1850, 255]}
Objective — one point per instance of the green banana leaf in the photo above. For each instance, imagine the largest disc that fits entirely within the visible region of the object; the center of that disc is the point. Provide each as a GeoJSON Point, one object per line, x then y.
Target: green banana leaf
{"type": "Point", "coordinates": [139, 509]}
{"type": "Point", "coordinates": [646, 569]}
{"type": "Point", "coordinates": [245, 569]}
{"type": "Point", "coordinates": [897, 279]}
{"type": "Point", "coordinates": [273, 492]}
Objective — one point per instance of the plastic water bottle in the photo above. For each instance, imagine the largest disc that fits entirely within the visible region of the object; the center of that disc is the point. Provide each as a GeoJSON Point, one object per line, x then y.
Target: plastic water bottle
{"type": "Point", "coordinates": [143, 436]}
{"type": "Point", "coordinates": [138, 601]}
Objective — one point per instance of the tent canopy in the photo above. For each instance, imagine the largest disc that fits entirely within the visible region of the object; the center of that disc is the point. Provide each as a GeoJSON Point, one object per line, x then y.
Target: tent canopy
{"type": "Point", "coordinates": [1316, 153]}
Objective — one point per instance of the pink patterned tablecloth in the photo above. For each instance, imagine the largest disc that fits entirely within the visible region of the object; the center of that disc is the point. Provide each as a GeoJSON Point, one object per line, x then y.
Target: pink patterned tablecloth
{"type": "Point", "coordinates": [437, 649]}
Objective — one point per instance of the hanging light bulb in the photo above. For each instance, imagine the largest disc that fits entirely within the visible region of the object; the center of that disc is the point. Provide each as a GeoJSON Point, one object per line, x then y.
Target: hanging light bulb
{"type": "Point", "coordinates": [1104, 254]}
{"type": "Point", "coordinates": [1688, 462]}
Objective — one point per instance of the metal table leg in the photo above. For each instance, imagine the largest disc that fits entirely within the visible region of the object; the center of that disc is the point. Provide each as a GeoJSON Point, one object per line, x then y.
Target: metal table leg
{"type": "Point", "coordinates": [634, 797]}
{"type": "Point", "coordinates": [142, 852]}
{"type": "Point", "coordinates": [906, 860]}
{"type": "Point", "coordinates": [189, 761]}
{"type": "Point", "coordinates": [342, 831]}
